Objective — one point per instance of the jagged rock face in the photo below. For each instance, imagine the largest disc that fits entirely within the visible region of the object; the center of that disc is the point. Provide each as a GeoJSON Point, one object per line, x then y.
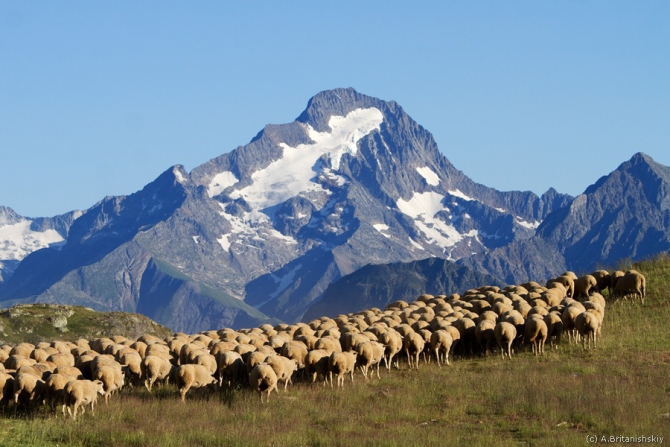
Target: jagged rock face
{"type": "Point", "coordinates": [624, 215]}
{"type": "Point", "coordinates": [260, 232]}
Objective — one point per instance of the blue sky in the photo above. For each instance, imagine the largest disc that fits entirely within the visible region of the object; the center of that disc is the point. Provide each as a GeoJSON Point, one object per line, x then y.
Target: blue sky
{"type": "Point", "coordinates": [99, 98]}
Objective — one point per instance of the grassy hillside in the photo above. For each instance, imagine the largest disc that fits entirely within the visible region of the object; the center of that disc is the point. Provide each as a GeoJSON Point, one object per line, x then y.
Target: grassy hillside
{"type": "Point", "coordinates": [619, 389]}
{"type": "Point", "coordinates": [46, 322]}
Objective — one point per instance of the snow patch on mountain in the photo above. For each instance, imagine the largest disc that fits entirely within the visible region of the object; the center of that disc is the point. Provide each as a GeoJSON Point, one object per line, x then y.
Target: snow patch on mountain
{"type": "Point", "coordinates": [220, 182]}
{"type": "Point", "coordinates": [431, 177]}
{"type": "Point", "coordinates": [526, 224]}
{"type": "Point", "coordinates": [294, 172]}
{"type": "Point", "coordinates": [250, 226]}
{"type": "Point", "coordinates": [459, 194]}
{"type": "Point", "coordinates": [17, 240]}
{"type": "Point", "coordinates": [426, 203]}
{"type": "Point", "coordinates": [423, 208]}
{"type": "Point", "coordinates": [381, 228]}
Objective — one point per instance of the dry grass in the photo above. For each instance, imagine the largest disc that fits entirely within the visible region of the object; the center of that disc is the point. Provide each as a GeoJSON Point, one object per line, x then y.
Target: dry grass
{"type": "Point", "coordinates": [620, 388]}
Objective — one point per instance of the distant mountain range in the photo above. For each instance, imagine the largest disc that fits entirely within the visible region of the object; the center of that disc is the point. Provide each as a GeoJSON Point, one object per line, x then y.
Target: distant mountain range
{"type": "Point", "coordinates": [259, 233]}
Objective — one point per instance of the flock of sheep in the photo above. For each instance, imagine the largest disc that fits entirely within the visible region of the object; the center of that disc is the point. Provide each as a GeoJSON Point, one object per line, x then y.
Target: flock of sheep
{"type": "Point", "coordinates": [73, 375]}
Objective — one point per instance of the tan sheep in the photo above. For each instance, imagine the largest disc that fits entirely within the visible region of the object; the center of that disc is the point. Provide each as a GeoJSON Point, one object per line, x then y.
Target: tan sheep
{"type": "Point", "coordinates": [505, 333]}
{"type": "Point", "coordinates": [392, 342]}
{"type": "Point", "coordinates": [230, 366]}
{"type": "Point", "coordinates": [484, 333]}
{"type": "Point", "coordinates": [341, 363]}
{"type": "Point", "coordinates": [112, 379]}
{"type": "Point", "coordinates": [440, 343]}
{"type": "Point", "coordinates": [632, 283]}
{"type": "Point", "coordinates": [316, 363]}
{"type": "Point", "coordinates": [413, 345]}
{"type": "Point", "coordinates": [30, 386]}
{"type": "Point", "coordinates": [554, 324]}
{"type": "Point", "coordinates": [155, 368]}
{"type": "Point", "coordinates": [295, 350]}
{"type": "Point", "coordinates": [192, 376]}
{"type": "Point", "coordinates": [365, 357]}
{"type": "Point", "coordinates": [284, 368]}
{"type": "Point", "coordinates": [587, 326]}
{"type": "Point", "coordinates": [6, 386]}
{"type": "Point", "coordinates": [536, 333]}
{"type": "Point", "coordinates": [327, 343]}
{"type": "Point", "coordinates": [263, 379]}
{"type": "Point", "coordinates": [79, 393]}
{"type": "Point", "coordinates": [55, 390]}
{"type": "Point", "coordinates": [584, 286]}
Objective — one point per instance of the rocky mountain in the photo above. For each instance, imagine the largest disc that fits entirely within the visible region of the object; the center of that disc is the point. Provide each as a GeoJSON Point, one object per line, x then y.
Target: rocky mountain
{"type": "Point", "coordinates": [259, 233]}
{"type": "Point", "coordinates": [20, 236]}
{"type": "Point", "coordinates": [624, 215]}
{"type": "Point", "coordinates": [378, 285]}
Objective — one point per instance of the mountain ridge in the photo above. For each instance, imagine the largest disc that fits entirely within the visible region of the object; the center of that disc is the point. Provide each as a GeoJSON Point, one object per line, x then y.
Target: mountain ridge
{"type": "Point", "coordinates": [353, 181]}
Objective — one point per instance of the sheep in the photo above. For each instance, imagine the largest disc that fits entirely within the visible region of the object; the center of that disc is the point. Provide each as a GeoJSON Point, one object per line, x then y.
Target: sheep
{"type": "Point", "coordinates": [111, 378]}
{"type": "Point", "coordinates": [554, 328]}
{"type": "Point", "coordinates": [55, 389]}
{"type": "Point", "coordinates": [132, 363]}
{"type": "Point", "coordinates": [230, 366]}
{"type": "Point", "coordinates": [192, 376]}
{"type": "Point", "coordinates": [614, 279]}
{"type": "Point", "coordinates": [70, 371]}
{"type": "Point", "coordinates": [341, 363]}
{"type": "Point", "coordinates": [365, 357]}
{"type": "Point", "coordinates": [587, 326]}
{"type": "Point", "coordinates": [413, 344]}
{"type": "Point", "coordinates": [316, 363]}
{"type": "Point", "coordinates": [584, 286]}
{"type": "Point", "coordinates": [536, 333]}
{"type": "Point", "coordinates": [569, 315]}
{"type": "Point", "coordinates": [603, 280]}
{"type": "Point", "coordinates": [263, 379]}
{"type": "Point", "coordinates": [253, 359]}
{"type": "Point", "coordinates": [440, 343]}
{"type": "Point", "coordinates": [283, 368]}
{"type": "Point", "coordinates": [30, 385]}
{"type": "Point", "coordinates": [16, 361]}
{"type": "Point", "coordinates": [327, 343]}
{"type": "Point", "coordinates": [505, 333]}
{"type": "Point", "coordinates": [295, 350]}
{"type": "Point", "coordinates": [6, 386]}
{"type": "Point", "coordinates": [485, 335]}
{"type": "Point", "coordinates": [155, 368]}
{"type": "Point", "coordinates": [392, 342]}
{"type": "Point", "coordinates": [632, 283]}
{"type": "Point", "coordinates": [82, 392]}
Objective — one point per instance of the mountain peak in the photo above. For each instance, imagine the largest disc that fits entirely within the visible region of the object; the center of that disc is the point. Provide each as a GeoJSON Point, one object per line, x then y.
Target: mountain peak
{"type": "Point", "coordinates": [336, 102]}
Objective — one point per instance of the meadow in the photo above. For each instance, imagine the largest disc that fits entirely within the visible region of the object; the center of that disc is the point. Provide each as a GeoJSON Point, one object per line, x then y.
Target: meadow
{"type": "Point", "coordinates": [621, 388]}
